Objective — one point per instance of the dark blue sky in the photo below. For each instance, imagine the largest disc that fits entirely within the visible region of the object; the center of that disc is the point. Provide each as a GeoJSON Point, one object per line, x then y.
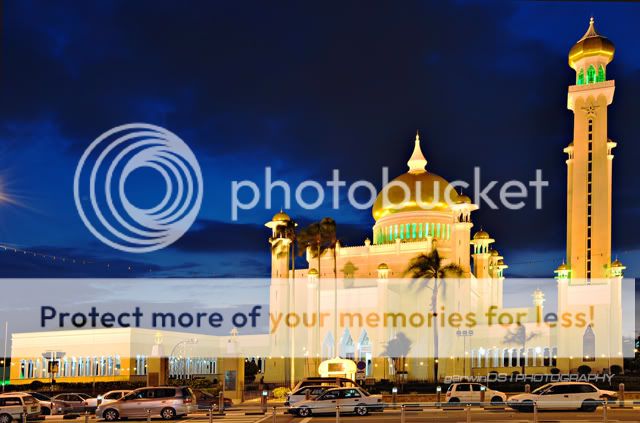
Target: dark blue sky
{"type": "Point", "coordinates": [304, 88]}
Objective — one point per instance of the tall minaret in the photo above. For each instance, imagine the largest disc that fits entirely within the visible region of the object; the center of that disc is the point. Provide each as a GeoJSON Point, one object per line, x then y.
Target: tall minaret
{"type": "Point", "coordinates": [590, 159]}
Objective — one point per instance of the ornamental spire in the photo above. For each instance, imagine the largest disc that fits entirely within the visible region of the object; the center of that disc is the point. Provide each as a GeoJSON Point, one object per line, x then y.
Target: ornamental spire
{"type": "Point", "coordinates": [417, 163]}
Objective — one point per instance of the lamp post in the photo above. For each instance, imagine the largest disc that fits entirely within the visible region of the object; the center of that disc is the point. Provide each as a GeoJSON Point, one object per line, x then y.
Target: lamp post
{"type": "Point", "coordinates": [4, 357]}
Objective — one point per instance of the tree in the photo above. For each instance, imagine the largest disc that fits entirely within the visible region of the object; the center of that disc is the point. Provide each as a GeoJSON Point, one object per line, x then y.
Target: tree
{"type": "Point", "coordinates": [429, 268]}
{"type": "Point", "coordinates": [397, 350]}
{"type": "Point", "coordinates": [250, 371]}
{"type": "Point", "coordinates": [520, 337]}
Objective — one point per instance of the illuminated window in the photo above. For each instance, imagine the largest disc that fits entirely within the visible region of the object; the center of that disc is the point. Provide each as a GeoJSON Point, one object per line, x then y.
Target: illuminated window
{"type": "Point", "coordinates": [601, 75]}
{"type": "Point", "coordinates": [591, 75]}
{"type": "Point", "coordinates": [580, 77]}
{"type": "Point", "coordinates": [413, 231]}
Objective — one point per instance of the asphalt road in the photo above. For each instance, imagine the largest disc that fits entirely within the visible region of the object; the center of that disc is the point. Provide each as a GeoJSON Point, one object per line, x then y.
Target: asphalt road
{"type": "Point", "coordinates": [429, 415]}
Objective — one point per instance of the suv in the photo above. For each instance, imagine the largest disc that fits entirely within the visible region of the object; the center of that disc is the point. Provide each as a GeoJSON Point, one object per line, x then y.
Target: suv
{"type": "Point", "coordinates": [25, 402]}
{"type": "Point", "coordinates": [472, 393]}
{"type": "Point", "coordinates": [561, 396]}
{"type": "Point", "coordinates": [167, 402]}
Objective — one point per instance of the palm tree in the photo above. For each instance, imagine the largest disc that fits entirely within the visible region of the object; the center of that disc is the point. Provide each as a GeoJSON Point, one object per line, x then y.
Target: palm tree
{"type": "Point", "coordinates": [397, 350]}
{"type": "Point", "coordinates": [319, 237]}
{"type": "Point", "coordinates": [429, 267]}
{"type": "Point", "coordinates": [520, 337]}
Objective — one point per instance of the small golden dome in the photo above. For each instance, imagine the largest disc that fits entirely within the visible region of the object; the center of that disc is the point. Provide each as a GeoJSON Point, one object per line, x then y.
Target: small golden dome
{"type": "Point", "coordinates": [313, 272]}
{"type": "Point", "coordinates": [481, 235]}
{"type": "Point", "coordinates": [383, 266]}
{"type": "Point", "coordinates": [563, 267]}
{"type": "Point", "coordinates": [494, 252]}
{"type": "Point", "coordinates": [617, 263]}
{"type": "Point", "coordinates": [591, 44]}
{"type": "Point", "coordinates": [500, 262]}
{"type": "Point", "coordinates": [463, 199]}
{"type": "Point", "coordinates": [281, 217]}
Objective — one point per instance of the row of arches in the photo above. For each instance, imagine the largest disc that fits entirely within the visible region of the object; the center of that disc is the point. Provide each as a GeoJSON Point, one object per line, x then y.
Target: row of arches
{"type": "Point", "coordinates": [411, 231]}
{"type": "Point", "coordinates": [592, 76]}
{"type": "Point", "coordinates": [514, 357]}
{"type": "Point", "coordinates": [38, 368]}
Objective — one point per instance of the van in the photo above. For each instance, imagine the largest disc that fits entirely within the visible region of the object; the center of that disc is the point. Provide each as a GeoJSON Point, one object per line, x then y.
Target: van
{"type": "Point", "coordinates": [166, 402]}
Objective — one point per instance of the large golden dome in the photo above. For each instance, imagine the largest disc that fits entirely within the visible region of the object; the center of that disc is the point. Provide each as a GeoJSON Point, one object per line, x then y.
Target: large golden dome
{"type": "Point", "coordinates": [416, 190]}
{"type": "Point", "coordinates": [427, 191]}
{"type": "Point", "coordinates": [591, 44]}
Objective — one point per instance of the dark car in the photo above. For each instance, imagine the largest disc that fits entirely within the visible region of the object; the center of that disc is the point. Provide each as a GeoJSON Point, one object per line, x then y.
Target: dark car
{"type": "Point", "coordinates": [207, 401]}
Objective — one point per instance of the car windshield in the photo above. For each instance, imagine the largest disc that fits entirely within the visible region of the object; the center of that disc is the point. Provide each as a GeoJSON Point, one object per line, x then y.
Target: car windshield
{"type": "Point", "coordinates": [541, 389]}
{"type": "Point", "coordinates": [38, 395]}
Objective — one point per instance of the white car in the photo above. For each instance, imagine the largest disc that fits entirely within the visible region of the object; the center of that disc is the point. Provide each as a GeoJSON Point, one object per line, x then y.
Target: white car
{"type": "Point", "coordinates": [301, 394]}
{"type": "Point", "coordinates": [111, 396]}
{"type": "Point", "coordinates": [20, 400]}
{"type": "Point", "coordinates": [350, 400]}
{"type": "Point", "coordinates": [472, 393]}
{"type": "Point", "coordinates": [562, 396]}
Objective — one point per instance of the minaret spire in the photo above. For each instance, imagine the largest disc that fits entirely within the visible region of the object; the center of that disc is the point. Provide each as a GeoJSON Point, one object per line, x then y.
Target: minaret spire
{"type": "Point", "coordinates": [417, 163]}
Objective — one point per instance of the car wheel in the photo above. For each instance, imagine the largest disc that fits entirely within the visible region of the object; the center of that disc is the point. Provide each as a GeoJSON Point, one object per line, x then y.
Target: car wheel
{"type": "Point", "coordinates": [168, 414]}
{"type": "Point", "coordinates": [361, 410]}
{"type": "Point", "coordinates": [5, 418]}
{"type": "Point", "coordinates": [497, 401]}
{"type": "Point", "coordinates": [456, 400]}
{"type": "Point", "coordinates": [110, 415]}
{"type": "Point", "coordinates": [46, 411]}
{"type": "Point", "coordinates": [589, 405]}
{"type": "Point", "coordinates": [304, 412]}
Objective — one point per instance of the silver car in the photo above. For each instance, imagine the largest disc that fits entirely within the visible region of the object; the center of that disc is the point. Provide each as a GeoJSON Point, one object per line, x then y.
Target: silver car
{"type": "Point", "coordinates": [167, 402]}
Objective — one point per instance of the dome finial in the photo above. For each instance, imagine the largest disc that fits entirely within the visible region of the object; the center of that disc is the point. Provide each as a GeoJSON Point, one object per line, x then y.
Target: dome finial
{"type": "Point", "coordinates": [417, 163]}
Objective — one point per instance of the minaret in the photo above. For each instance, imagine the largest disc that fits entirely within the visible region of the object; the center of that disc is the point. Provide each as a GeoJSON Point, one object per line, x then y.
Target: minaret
{"type": "Point", "coordinates": [481, 254]}
{"type": "Point", "coordinates": [280, 244]}
{"type": "Point", "coordinates": [590, 159]}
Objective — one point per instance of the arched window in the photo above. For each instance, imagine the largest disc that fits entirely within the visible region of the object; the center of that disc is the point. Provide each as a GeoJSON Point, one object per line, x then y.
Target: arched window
{"type": "Point", "coordinates": [580, 80]}
{"type": "Point", "coordinates": [589, 344]}
{"type": "Point", "coordinates": [514, 358]}
{"type": "Point", "coordinates": [591, 75]}
{"type": "Point", "coordinates": [601, 75]}
{"type": "Point", "coordinates": [505, 358]}
{"type": "Point", "coordinates": [547, 357]}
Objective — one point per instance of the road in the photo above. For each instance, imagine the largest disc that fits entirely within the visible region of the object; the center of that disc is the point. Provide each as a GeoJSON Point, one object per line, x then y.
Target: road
{"type": "Point", "coordinates": [393, 416]}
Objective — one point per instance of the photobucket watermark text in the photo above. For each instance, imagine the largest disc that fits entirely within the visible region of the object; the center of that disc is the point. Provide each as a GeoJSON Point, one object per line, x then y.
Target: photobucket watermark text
{"type": "Point", "coordinates": [362, 194]}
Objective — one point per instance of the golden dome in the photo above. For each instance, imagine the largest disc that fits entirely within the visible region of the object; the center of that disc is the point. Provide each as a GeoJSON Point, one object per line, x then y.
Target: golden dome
{"type": "Point", "coordinates": [500, 262]}
{"type": "Point", "coordinates": [281, 217]}
{"type": "Point", "coordinates": [313, 272]}
{"type": "Point", "coordinates": [562, 267]}
{"type": "Point", "coordinates": [591, 44]}
{"type": "Point", "coordinates": [433, 193]}
{"type": "Point", "coordinates": [617, 263]}
{"type": "Point", "coordinates": [383, 266]}
{"type": "Point", "coordinates": [494, 252]}
{"type": "Point", "coordinates": [481, 235]}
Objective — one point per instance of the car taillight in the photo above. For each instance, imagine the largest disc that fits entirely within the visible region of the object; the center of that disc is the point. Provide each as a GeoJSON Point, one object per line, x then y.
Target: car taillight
{"type": "Point", "coordinates": [448, 394]}
{"type": "Point", "coordinates": [187, 400]}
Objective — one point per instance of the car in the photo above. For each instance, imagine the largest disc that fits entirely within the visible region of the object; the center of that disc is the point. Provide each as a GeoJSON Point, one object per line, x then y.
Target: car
{"type": "Point", "coordinates": [307, 392]}
{"type": "Point", "coordinates": [329, 381]}
{"type": "Point", "coordinates": [10, 409]}
{"type": "Point", "coordinates": [111, 396]}
{"type": "Point", "coordinates": [472, 393]}
{"type": "Point", "coordinates": [350, 400]}
{"type": "Point", "coordinates": [167, 402]}
{"type": "Point", "coordinates": [24, 401]}
{"type": "Point", "coordinates": [207, 401]}
{"type": "Point", "coordinates": [72, 402]}
{"type": "Point", "coordinates": [561, 396]}
{"type": "Point", "coordinates": [47, 406]}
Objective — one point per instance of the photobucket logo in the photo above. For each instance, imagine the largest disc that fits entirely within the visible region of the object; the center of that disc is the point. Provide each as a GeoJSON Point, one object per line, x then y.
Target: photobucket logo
{"type": "Point", "coordinates": [100, 180]}
{"type": "Point", "coordinates": [415, 193]}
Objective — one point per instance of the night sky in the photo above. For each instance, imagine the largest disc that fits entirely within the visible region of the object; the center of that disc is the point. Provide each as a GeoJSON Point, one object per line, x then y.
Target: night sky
{"type": "Point", "coordinates": [302, 87]}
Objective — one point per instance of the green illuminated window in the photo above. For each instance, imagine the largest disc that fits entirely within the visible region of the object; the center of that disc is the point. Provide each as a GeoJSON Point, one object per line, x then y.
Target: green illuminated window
{"type": "Point", "coordinates": [580, 77]}
{"type": "Point", "coordinates": [413, 230]}
{"type": "Point", "coordinates": [591, 75]}
{"type": "Point", "coordinates": [420, 231]}
{"type": "Point", "coordinates": [601, 74]}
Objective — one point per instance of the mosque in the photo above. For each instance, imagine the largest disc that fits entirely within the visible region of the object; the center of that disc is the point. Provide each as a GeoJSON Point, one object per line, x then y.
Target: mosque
{"type": "Point", "coordinates": [371, 278]}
